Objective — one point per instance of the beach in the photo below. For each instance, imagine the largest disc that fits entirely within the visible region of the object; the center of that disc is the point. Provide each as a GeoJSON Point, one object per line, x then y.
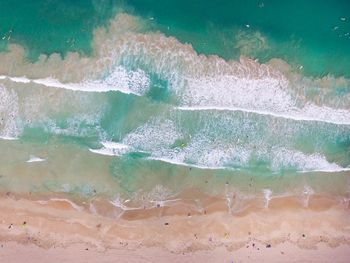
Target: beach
{"type": "Point", "coordinates": [36, 228]}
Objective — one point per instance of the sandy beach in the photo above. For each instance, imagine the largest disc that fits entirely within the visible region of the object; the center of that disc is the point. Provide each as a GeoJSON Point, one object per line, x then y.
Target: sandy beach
{"type": "Point", "coordinates": [36, 228]}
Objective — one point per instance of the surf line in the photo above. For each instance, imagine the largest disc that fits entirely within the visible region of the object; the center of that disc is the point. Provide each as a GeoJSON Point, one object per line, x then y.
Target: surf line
{"type": "Point", "coordinates": [262, 112]}
{"type": "Point", "coordinates": [91, 86]}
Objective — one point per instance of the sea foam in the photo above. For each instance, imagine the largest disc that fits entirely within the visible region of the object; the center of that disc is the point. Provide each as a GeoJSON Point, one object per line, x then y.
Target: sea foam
{"type": "Point", "coordinates": [128, 82]}
{"type": "Point", "coordinates": [111, 149]}
{"type": "Point", "coordinates": [122, 55]}
{"type": "Point", "coordinates": [34, 159]}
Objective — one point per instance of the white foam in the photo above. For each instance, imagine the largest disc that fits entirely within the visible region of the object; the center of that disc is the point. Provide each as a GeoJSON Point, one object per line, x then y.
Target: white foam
{"type": "Point", "coordinates": [104, 151]}
{"type": "Point", "coordinates": [231, 157]}
{"type": "Point", "coordinates": [157, 137]}
{"type": "Point", "coordinates": [8, 138]}
{"type": "Point", "coordinates": [303, 163]}
{"type": "Point", "coordinates": [119, 203]}
{"type": "Point", "coordinates": [204, 152]}
{"type": "Point", "coordinates": [153, 136]}
{"type": "Point", "coordinates": [310, 113]}
{"type": "Point", "coordinates": [267, 196]}
{"type": "Point", "coordinates": [267, 96]}
{"type": "Point", "coordinates": [307, 192]}
{"type": "Point", "coordinates": [120, 79]}
{"type": "Point", "coordinates": [111, 149]}
{"type": "Point", "coordinates": [198, 82]}
{"type": "Point", "coordinates": [115, 152]}
{"type": "Point", "coordinates": [33, 159]}
{"type": "Point", "coordinates": [9, 111]}
{"type": "Point", "coordinates": [211, 82]}
{"type": "Point", "coordinates": [166, 160]}
{"type": "Point", "coordinates": [334, 170]}
{"type": "Point", "coordinates": [87, 86]}
{"type": "Point", "coordinates": [20, 79]}
{"type": "Point", "coordinates": [299, 170]}
{"type": "Point", "coordinates": [114, 145]}
{"type": "Point", "coordinates": [195, 80]}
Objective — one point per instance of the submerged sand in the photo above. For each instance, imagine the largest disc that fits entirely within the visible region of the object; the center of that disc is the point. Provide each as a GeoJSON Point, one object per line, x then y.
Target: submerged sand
{"type": "Point", "coordinates": [40, 228]}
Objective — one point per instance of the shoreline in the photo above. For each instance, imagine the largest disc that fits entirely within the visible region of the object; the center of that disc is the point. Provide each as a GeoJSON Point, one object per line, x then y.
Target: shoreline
{"type": "Point", "coordinates": [66, 225]}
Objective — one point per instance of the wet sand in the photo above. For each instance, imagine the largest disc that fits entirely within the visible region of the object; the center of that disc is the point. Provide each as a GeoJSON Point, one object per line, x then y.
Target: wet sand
{"type": "Point", "coordinates": [36, 229]}
{"type": "Point", "coordinates": [79, 253]}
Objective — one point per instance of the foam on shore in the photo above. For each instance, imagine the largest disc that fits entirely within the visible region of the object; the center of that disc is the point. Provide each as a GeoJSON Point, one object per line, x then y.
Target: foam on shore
{"type": "Point", "coordinates": [34, 159]}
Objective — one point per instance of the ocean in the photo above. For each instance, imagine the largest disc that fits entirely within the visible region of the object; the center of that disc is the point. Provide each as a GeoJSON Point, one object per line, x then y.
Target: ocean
{"type": "Point", "coordinates": [142, 100]}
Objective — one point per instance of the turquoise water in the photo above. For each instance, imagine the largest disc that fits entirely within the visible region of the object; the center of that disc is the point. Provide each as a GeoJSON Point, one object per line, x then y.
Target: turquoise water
{"type": "Point", "coordinates": [313, 34]}
{"type": "Point", "coordinates": [149, 93]}
{"type": "Point", "coordinates": [52, 26]}
{"type": "Point", "coordinates": [308, 33]}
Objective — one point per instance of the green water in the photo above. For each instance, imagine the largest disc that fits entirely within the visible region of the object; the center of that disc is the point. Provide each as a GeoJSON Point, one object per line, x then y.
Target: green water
{"type": "Point", "coordinates": [301, 32]}
{"type": "Point", "coordinates": [45, 27]}
{"type": "Point", "coordinates": [312, 34]}
{"type": "Point", "coordinates": [180, 119]}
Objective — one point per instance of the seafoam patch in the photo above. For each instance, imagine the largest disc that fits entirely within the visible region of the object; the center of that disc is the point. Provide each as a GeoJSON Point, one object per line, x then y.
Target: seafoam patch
{"type": "Point", "coordinates": [111, 149]}
{"type": "Point", "coordinates": [35, 159]}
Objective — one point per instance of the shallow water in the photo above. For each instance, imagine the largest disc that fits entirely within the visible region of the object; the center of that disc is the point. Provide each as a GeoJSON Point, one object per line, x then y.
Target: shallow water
{"type": "Point", "coordinates": [141, 104]}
